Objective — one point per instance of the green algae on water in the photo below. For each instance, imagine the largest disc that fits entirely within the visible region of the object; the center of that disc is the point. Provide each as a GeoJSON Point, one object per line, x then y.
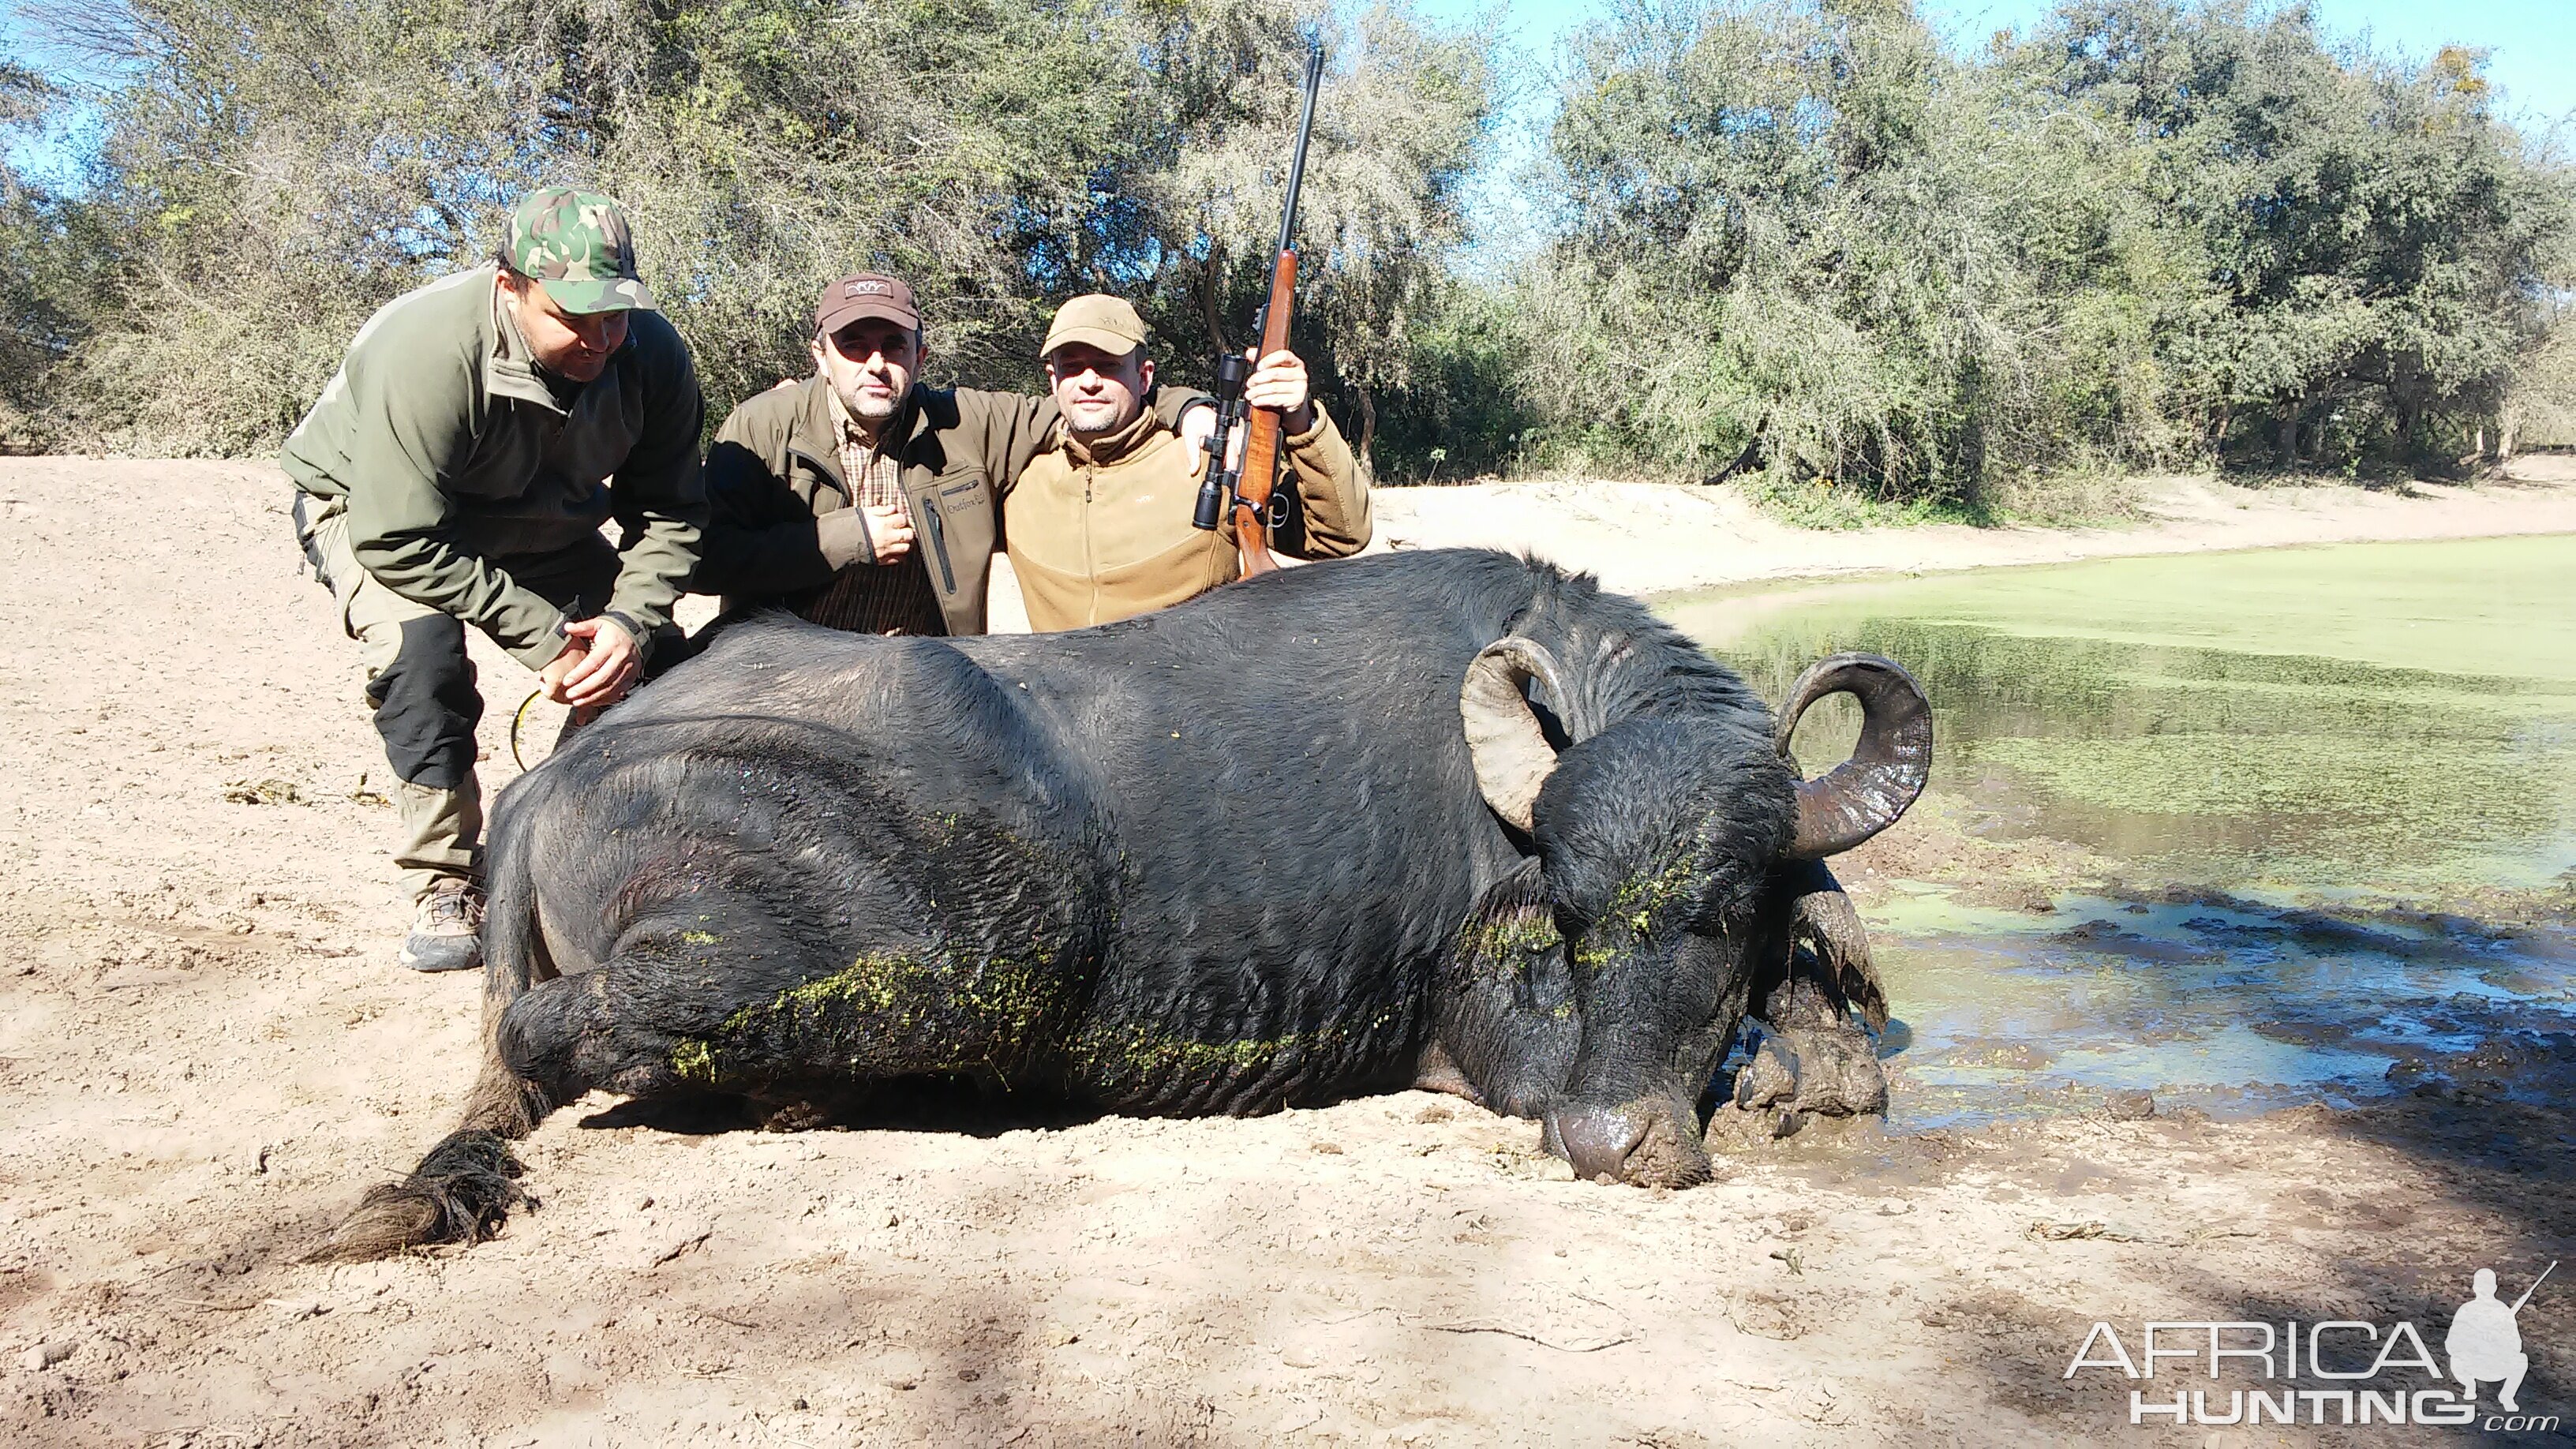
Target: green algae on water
{"type": "Point", "coordinates": [2394, 717]}
{"type": "Point", "coordinates": [2452, 607]}
{"type": "Point", "coordinates": [2253, 790]}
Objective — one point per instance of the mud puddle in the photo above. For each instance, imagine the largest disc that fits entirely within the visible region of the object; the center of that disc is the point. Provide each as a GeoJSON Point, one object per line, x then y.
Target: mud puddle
{"type": "Point", "coordinates": [2287, 826]}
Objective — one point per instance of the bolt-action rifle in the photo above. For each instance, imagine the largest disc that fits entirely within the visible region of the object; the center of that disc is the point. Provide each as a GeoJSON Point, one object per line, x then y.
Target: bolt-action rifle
{"type": "Point", "coordinates": [1246, 494]}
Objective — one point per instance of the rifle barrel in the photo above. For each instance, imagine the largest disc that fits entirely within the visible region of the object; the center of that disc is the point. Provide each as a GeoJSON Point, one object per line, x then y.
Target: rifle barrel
{"type": "Point", "coordinates": [1305, 129]}
{"type": "Point", "coordinates": [2534, 1288]}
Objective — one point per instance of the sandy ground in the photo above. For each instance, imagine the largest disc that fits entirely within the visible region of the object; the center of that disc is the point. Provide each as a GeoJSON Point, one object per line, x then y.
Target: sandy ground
{"type": "Point", "coordinates": [206, 1052]}
{"type": "Point", "coordinates": [1650, 538]}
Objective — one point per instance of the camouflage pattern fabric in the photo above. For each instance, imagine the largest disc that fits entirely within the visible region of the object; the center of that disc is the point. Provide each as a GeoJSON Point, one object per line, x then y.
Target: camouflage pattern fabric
{"type": "Point", "coordinates": [577, 245]}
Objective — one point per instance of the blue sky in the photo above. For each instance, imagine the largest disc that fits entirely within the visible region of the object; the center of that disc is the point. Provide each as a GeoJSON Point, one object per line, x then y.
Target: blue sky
{"type": "Point", "coordinates": [2533, 41]}
{"type": "Point", "coordinates": [2531, 61]}
{"type": "Point", "coordinates": [2532, 45]}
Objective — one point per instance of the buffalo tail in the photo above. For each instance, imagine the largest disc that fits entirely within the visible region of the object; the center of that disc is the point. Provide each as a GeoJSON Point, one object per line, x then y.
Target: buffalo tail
{"type": "Point", "coordinates": [464, 1188]}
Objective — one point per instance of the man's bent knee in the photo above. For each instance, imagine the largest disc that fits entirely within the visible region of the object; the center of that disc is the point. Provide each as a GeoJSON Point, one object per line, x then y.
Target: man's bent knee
{"type": "Point", "coordinates": [427, 706]}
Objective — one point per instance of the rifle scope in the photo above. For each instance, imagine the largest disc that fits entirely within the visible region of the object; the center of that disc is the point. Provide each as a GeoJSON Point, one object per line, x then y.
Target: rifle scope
{"type": "Point", "coordinates": [1216, 488]}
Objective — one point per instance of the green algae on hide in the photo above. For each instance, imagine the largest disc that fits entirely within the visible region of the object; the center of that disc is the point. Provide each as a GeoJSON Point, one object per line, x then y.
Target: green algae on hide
{"type": "Point", "coordinates": [695, 1061]}
{"type": "Point", "coordinates": [1143, 1064]}
{"type": "Point", "coordinates": [1510, 946]}
{"type": "Point", "coordinates": [886, 1014]}
{"type": "Point", "coordinates": [1507, 946]}
{"type": "Point", "coordinates": [1641, 898]}
{"type": "Point", "coordinates": [1145, 1051]}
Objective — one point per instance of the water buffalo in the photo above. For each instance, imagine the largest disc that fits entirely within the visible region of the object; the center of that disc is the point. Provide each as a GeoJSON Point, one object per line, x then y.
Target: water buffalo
{"type": "Point", "coordinates": [1452, 819]}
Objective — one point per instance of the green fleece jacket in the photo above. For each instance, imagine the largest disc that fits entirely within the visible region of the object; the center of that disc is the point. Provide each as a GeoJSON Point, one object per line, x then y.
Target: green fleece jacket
{"type": "Point", "coordinates": [455, 457]}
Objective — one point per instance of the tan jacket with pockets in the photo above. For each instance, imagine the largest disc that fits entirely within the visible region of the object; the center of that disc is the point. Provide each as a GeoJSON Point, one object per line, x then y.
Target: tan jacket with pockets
{"type": "Point", "coordinates": [1103, 532]}
{"type": "Point", "coordinates": [780, 516]}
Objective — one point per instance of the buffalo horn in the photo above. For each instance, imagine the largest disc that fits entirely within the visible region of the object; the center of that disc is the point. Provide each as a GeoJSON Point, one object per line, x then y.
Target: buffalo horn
{"type": "Point", "coordinates": [1866, 793]}
{"type": "Point", "coordinates": [1511, 752]}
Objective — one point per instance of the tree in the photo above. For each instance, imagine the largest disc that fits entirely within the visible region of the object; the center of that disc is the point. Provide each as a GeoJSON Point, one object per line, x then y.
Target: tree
{"type": "Point", "coordinates": [47, 253]}
{"type": "Point", "coordinates": [1792, 238]}
{"type": "Point", "coordinates": [1798, 236]}
{"type": "Point", "coordinates": [1802, 237]}
{"type": "Point", "coordinates": [2369, 236]}
{"type": "Point", "coordinates": [283, 167]}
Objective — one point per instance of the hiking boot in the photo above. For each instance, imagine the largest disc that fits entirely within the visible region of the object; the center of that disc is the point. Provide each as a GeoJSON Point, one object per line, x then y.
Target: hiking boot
{"type": "Point", "coordinates": [447, 933]}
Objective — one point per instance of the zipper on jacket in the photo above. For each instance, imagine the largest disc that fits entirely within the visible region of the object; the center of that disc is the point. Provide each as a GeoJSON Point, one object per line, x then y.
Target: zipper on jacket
{"type": "Point", "coordinates": [939, 546]}
{"type": "Point", "coordinates": [831, 473]}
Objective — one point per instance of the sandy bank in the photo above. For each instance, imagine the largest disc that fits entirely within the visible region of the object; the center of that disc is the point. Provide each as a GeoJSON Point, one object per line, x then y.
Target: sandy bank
{"type": "Point", "coordinates": [1648, 538]}
{"type": "Point", "coordinates": [206, 1051]}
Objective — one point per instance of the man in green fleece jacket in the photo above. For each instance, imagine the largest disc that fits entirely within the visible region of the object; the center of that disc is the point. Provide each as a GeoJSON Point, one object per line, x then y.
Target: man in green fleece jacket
{"type": "Point", "coordinates": [457, 470]}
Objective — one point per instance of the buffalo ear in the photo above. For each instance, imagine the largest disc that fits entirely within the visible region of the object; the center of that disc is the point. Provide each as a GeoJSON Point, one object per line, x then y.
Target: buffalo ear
{"type": "Point", "coordinates": [1511, 753]}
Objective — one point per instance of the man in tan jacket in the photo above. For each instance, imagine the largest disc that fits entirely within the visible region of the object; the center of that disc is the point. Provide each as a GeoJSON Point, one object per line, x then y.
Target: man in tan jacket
{"type": "Point", "coordinates": [862, 498]}
{"type": "Point", "coordinates": [1099, 527]}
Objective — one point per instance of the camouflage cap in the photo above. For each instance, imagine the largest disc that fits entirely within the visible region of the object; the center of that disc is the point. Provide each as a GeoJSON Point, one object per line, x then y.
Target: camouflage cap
{"type": "Point", "coordinates": [577, 245]}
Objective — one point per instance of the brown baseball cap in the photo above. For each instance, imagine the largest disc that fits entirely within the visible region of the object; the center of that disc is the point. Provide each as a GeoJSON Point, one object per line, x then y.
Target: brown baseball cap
{"type": "Point", "coordinates": [1097, 320]}
{"type": "Point", "coordinates": [865, 294]}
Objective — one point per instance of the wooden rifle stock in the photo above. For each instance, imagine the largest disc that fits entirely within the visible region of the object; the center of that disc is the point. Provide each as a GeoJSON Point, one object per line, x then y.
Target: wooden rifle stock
{"type": "Point", "coordinates": [1261, 431]}
{"type": "Point", "coordinates": [1254, 482]}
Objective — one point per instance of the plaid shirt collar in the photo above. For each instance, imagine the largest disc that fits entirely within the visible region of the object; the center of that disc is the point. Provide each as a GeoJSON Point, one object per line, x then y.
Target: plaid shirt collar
{"type": "Point", "coordinates": [868, 472]}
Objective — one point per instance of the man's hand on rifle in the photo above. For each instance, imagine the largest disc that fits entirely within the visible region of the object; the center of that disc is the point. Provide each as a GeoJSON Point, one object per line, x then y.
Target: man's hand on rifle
{"type": "Point", "coordinates": [1198, 424]}
{"type": "Point", "coordinates": [1279, 381]}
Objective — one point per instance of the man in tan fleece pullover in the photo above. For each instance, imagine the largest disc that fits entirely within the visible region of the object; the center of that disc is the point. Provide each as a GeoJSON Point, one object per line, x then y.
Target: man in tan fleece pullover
{"type": "Point", "coordinates": [1099, 527]}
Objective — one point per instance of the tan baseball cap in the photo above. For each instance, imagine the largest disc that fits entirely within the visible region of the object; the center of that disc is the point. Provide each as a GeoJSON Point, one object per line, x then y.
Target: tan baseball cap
{"type": "Point", "coordinates": [1098, 320]}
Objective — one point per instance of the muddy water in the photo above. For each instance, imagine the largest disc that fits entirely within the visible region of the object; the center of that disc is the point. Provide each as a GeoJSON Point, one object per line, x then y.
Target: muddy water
{"type": "Point", "coordinates": [2323, 801]}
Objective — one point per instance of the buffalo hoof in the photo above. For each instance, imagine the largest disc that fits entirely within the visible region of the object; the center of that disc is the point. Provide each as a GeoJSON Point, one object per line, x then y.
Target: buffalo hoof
{"type": "Point", "coordinates": [1838, 1074]}
{"type": "Point", "coordinates": [1827, 1070]}
{"type": "Point", "coordinates": [1742, 1129]}
{"type": "Point", "coordinates": [1647, 1143]}
{"type": "Point", "coordinates": [1770, 1078]}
